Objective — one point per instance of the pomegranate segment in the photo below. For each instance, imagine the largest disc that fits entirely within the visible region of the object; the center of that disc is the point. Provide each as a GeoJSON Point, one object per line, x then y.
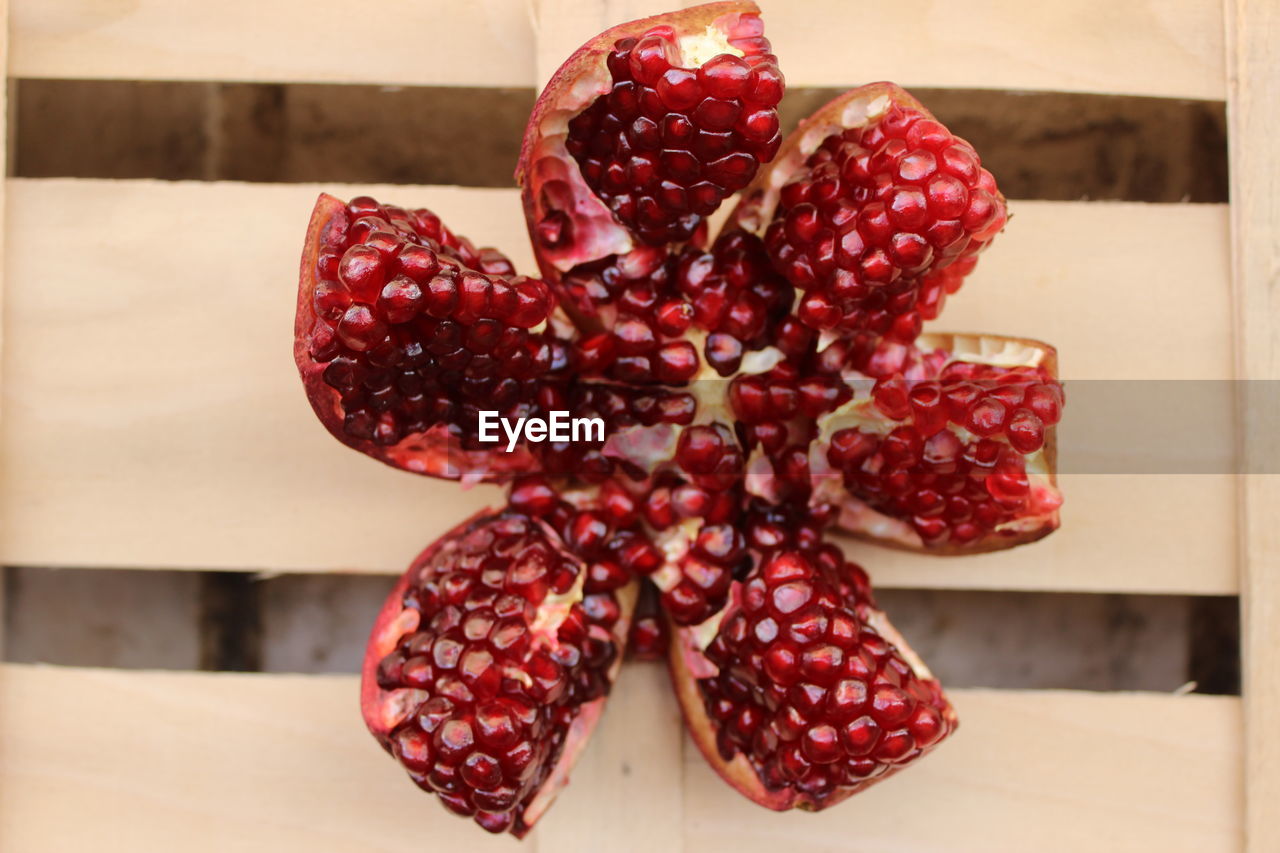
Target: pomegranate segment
{"type": "Point", "coordinates": [951, 450]}
{"type": "Point", "coordinates": [489, 665]}
{"type": "Point", "coordinates": [404, 330]}
{"type": "Point", "coordinates": [865, 207]}
{"type": "Point", "coordinates": [673, 138]}
{"type": "Point", "coordinates": [645, 130]}
{"type": "Point", "coordinates": [800, 693]}
{"type": "Point", "coordinates": [638, 137]}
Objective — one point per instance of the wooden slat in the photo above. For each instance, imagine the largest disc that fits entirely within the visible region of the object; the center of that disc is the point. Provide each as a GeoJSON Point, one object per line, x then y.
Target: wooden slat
{"type": "Point", "coordinates": [1138, 48]}
{"type": "Point", "coordinates": [1120, 533]}
{"type": "Point", "coordinates": [1148, 48]}
{"type": "Point", "coordinates": [109, 760]}
{"type": "Point", "coordinates": [160, 314]}
{"type": "Point", "coordinates": [4, 171]}
{"type": "Point", "coordinates": [403, 42]}
{"type": "Point", "coordinates": [1145, 48]}
{"type": "Point", "coordinates": [1028, 771]}
{"type": "Point", "coordinates": [1253, 113]}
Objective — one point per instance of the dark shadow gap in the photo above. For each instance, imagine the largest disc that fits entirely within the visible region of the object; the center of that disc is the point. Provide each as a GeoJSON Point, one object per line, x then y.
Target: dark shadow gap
{"type": "Point", "coordinates": [1215, 644]}
{"type": "Point", "coordinates": [230, 622]}
{"type": "Point", "coordinates": [1040, 145]}
{"type": "Point", "coordinates": [319, 624]}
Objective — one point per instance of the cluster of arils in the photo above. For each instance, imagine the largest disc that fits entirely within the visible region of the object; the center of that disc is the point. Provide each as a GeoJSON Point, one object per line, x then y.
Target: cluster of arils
{"type": "Point", "coordinates": [757, 390]}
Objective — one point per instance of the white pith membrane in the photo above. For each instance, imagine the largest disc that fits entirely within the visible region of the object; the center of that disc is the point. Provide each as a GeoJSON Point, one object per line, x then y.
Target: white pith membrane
{"type": "Point", "coordinates": [861, 413]}
{"type": "Point", "coordinates": [553, 170]}
{"type": "Point", "coordinates": [653, 448]}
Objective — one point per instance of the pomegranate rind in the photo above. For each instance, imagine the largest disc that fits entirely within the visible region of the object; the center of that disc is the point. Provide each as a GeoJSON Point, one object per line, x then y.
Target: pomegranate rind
{"type": "Point", "coordinates": [384, 710]}
{"type": "Point", "coordinates": [436, 452]}
{"type": "Point", "coordinates": [548, 175]}
{"type": "Point", "coordinates": [866, 524]}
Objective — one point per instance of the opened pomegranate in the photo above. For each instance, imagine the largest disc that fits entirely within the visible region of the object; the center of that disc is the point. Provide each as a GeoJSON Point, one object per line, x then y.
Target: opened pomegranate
{"type": "Point", "coordinates": [759, 387]}
{"type": "Point", "coordinates": [489, 665]}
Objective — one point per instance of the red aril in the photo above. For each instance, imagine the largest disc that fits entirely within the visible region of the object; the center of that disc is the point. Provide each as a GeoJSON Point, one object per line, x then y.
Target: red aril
{"type": "Point", "coordinates": [650, 633]}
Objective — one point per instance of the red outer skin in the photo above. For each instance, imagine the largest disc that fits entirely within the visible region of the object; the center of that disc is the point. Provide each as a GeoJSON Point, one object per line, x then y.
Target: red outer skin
{"type": "Point", "coordinates": [435, 453]}
{"type": "Point", "coordinates": [1049, 522]}
{"type": "Point", "coordinates": [683, 659]}
{"type": "Point", "coordinates": [382, 715]}
{"type": "Point", "coordinates": [586, 59]}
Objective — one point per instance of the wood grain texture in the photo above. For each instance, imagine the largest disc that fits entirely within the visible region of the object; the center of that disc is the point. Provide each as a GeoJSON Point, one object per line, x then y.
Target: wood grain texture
{"type": "Point", "coordinates": [218, 762]}
{"type": "Point", "coordinates": [399, 42]}
{"type": "Point", "coordinates": [1141, 48]}
{"type": "Point", "coordinates": [1253, 115]}
{"type": "Point", "coordinates": [160, 313]}
{"type": "Point", "coordinates": [1036, 771]}
{"type": "Point", "coordinates": [6, 138]}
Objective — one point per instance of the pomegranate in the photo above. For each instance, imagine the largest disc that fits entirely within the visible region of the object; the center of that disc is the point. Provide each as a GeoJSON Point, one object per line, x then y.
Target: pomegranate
{"type": "Point", "coordinates": [488, 667]}
{"type": "Point", "coordinates": [404, 330]}
{"type": "Point", "coordinates": [759, 387]}
{"type": "Point", "coordinates": [800, 693]}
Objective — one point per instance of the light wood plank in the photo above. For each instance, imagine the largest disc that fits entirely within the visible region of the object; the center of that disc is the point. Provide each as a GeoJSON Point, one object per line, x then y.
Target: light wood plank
{"type": "Point", "coordinates": [159, 313]}
{"type": "Point", "coordinates": [5, 142]}
{"type": "Point", "coordinates": [625, 794]}
{"type": "Point", "coordinates": [1144, 48]}
{"type": "Point", "coordinates": [1138, 48]}
{"type": "Point", "coordinates": [1163, 533]}
{"type": "Point", "coordinates": [253, 762]}
{"type": "Point", "coordinates": [1253, 113]}
{"type": "Point", "coordinates": [1039, 770]}
{"type": "Point", "coordinates": [399, 42]}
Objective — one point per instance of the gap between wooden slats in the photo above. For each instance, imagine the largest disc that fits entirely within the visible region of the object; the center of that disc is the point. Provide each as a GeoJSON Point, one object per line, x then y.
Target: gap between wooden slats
{"type": "Point", "coordinates": [154, 417]}
{"type": "Point", "coordinates": [1147, 48]}
{"type": "Point", "coordinates": [212, 762]}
